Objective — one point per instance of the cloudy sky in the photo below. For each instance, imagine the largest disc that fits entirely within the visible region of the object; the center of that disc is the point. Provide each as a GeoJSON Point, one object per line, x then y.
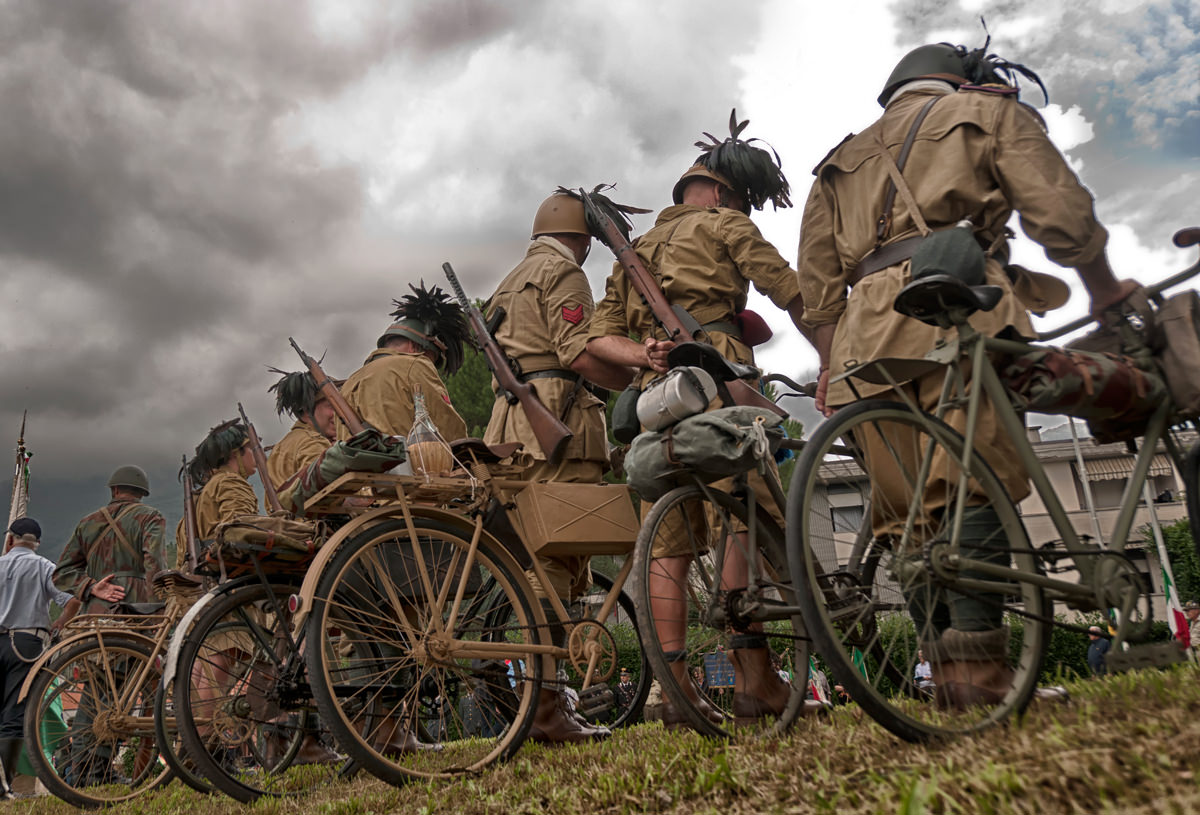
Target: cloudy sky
{"type": "Point", "coordinates": [185, 185]}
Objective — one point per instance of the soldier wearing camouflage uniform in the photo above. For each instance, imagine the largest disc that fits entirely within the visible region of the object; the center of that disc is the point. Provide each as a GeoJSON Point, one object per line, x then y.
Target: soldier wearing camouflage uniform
{"type": "Point", "coordinates": [548, 305]}
{"type": "Point", "coordinates": [124, 539]}
{"type": "Point", "coordinates": [977, 153]}
{"type": "Point", "coordinates": [427, 335]}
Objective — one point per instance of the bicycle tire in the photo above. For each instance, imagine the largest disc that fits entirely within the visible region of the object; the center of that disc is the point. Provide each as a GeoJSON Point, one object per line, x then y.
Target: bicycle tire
{"type": "Point", "coordinates": [388, 674]}
{"type": "Point", "coordinates": [708, 623]}
{"type": "Point", "coordinates": [82, 674]}
{"type": "Point", "coordinates": [239, 717]}
{"type": "Point", "coordinates": [1191, 486]}
{"type": "Point", "coordinates": [166, 736]}
{"type": "Point", "coordinates": [852, 624]}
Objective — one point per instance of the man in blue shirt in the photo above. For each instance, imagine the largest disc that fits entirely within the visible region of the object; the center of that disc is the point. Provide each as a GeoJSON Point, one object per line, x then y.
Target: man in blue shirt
{"type": "Point", "coordinates": [1097, 651]}
{"type": "Point", "coordinates": [26, 591]}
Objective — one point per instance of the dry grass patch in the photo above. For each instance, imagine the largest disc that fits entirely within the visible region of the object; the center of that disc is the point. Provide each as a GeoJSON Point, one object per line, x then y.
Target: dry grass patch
{"type": "Point", "coordinates": [1128, 743]}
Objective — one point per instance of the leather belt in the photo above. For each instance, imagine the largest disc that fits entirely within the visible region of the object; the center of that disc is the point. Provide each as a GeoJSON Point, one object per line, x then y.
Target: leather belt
{"type": "Point", "coordinates": [35, 631]}
{"type": "Point", "coordinates": [724, 326]}
{"type": "Point", "coordinates": [549, 373]}
{"type": "Point", "coordinates": [879, 259]}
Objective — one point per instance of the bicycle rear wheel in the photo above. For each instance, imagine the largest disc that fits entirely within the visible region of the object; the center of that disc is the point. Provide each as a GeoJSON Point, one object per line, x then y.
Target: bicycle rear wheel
{"type": "Point", "coordinates": [872, 605]}
{"type": "Point", "coordinates": [104, 752]}
{"type": "Point", "coordinates": [701, 523]}
{"type": "Point", "coordinates": [432, 670]}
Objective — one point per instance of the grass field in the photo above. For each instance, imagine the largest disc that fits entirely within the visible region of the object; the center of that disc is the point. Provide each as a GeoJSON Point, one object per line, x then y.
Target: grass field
{"type": "Point", "coordinates": [1125, 744]}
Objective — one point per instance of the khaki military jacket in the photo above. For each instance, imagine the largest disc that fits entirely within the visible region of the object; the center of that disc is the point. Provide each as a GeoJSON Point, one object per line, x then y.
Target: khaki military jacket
{"type": "Point", "coordinates": [225, 496]}
{"type": "Point", "coordinates": [302, 445]}
{"type": "Point", "coordinates": [548, 305]}
{"type": "Point", "coordinates": [705, 260]}
{"type": "Point", "coordinates": [977, 155]}
{"type": "Point", "coordinates": [381, 392]}
{"type": "Point", "coordinates": [96, 550]}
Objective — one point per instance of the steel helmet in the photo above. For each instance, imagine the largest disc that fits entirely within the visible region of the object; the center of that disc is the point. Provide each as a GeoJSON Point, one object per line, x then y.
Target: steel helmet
{"type": "Point", "coordinates": [130, 476]}
{"type": "Point", "coordinates": [938, 61]}
{"type": "Point", "coordinates": [699, 171]}
{"type": "Point", "coordinates": [558, 214]}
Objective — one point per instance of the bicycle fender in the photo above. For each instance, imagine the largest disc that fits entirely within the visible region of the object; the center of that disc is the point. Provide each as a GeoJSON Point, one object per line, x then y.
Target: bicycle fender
{"type": "Point", "coordinates": [69, 641]}
{"type": "Point", "coordinates": [185, 624]}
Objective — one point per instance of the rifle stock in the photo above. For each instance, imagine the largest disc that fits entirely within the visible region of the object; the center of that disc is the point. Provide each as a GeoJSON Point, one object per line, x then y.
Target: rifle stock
{"type": "Point", "coordinates": [552, 435]}
{"type": "Point", "coordinates": [329, 390]}
{"type": "Point", "coordinates": [260, 463]}
{"type": "Point", "coordinates": [192, 555]}
{"type": "Point", "coordinates": [679, 325]}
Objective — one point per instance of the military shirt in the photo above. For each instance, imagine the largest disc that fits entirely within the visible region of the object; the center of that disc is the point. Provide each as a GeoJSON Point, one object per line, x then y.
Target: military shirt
{"type": "Point", "coordinates": [96, 550]}
{"type": "Point", "coordinates": [381, 392]}
{"type": "Point", "coordinates": [225, 496]}
{"type": "Point", "coordinates": [705, 260]}
{"type": "Point", "coordinates": [548, 305]}
{"type": "Point", "coordinates": [977, 155]}
{"type": "Point", "coordinates": [302, 445]}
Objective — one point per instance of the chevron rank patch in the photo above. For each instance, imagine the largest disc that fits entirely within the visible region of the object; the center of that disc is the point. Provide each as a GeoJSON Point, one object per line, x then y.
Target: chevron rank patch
{"type": "Point", "coordinates": [573, 315]}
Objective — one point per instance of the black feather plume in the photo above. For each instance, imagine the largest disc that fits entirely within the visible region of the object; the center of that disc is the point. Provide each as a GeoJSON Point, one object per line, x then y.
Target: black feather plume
{"type": "Point", "coordinates": [443, 319]}
{"type": "Point", "coordinates": [295, 393]}
{"type": "Point", "coordinates": [618, 213]}
{"type": "Point", "coordinates": [756, 174]}
{"type": "Point", "coordinates": [217, 447]}
{"type": "Point", "coordinates": [983, 68]}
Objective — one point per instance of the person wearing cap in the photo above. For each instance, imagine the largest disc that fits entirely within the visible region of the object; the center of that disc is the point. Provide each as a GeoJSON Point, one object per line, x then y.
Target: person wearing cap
{"type": "Point", "coordinates": [427, 335]}
{"type": "Point", "coordinates": [123, 538]}
{"type": "Point", "coordinates": [706, 253]}
{"type": "Point", "coordinates": [26, 590]}
{"type": "Point", "coordinates": [973, 153]}
{"type": "Point", "coordinates": [1097, 650]}
{"type": "Point", "coordinates": [314, 427]}
{"type": "Point", "coordinates": [547, 305]}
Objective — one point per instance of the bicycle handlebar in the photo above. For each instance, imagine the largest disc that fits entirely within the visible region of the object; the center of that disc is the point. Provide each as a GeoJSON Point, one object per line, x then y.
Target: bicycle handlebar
{"type": "Point", "coordinates": [1183, 239]}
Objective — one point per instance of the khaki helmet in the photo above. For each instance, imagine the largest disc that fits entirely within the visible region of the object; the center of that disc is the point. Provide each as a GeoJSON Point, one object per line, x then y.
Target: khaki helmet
{"type": "Point", "coordinates": [699, 171]}
{"type": "Point", "coordinates": [560, 213]}
{"type": "Point", "coordinates": [130, 477]}
{"type": "Point", "coordinates": [938, 61]}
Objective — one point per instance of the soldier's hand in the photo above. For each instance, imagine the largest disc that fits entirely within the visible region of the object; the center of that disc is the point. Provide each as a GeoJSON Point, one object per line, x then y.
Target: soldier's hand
{"type": "Point", "coordinates": [822, 391]}
{"type": "Point", "coordinates": [656, 354]}
{"type": "Point", "coordinates": [108, 591]}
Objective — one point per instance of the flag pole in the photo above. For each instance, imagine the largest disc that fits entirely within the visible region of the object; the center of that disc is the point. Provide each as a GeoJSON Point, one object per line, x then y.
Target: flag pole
{"type": "Point", "coordinates": [19, 506]}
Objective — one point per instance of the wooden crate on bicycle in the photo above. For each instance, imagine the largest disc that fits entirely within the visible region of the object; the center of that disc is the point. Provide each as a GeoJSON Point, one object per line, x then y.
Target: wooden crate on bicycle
{"type": "Point", "coordinates": [568, 519]}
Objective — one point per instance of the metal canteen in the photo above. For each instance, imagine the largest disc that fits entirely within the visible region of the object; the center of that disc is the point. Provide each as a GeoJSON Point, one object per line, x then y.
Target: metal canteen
{"type": "Point", "coordinates": [682, 392]}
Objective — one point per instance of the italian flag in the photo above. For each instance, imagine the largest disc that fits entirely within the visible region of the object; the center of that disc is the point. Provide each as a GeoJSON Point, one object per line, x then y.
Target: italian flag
{"type": "Point", "coordinates": [1175, 618]}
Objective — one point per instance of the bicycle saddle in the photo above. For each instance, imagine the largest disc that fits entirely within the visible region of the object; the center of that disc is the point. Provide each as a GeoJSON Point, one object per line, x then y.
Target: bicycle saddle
{"type": "Point", "coordinates": [936, 295]}
{"type": "Point", "coordinates": [483, 453]}
{"type": "Point", "coordinates": [140, 608]}
{"type": "Point", "coordinates": [704, 356]}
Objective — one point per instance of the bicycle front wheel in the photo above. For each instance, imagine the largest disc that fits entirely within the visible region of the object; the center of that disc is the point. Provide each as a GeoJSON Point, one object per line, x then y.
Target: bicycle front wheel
{"type": "Point", "coordinates": [89, 722]}
{"type": "Point", "coordinates": [872, 602]}
{"type": "Point", "coordinates": [691, 610]}
{"type": "Point", "coordinates": [424, 654]}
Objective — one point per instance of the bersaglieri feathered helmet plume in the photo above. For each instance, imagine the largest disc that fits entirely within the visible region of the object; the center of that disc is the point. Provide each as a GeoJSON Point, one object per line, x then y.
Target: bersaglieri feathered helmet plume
{"type": "Point", "coordinates": [754, 173]}
{"type": "Point", "coordinates": [217, 447]}
{"type": "Point", "coordinates": [295, 393]}
{"type": "Point", "coordinates": [434, 321]}
{"type": "Point", "coordinates": [617, 213]}
{"type": "Point", "coordinates": [982, 68]}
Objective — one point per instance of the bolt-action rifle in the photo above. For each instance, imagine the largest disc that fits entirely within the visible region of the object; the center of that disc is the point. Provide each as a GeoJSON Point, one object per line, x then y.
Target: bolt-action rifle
{"type": "Point", "coordinates": [329, 390]}
{"type": "Point", "coordinates": [260, 462]}
{"type": "Point", "coordinates": [551, 433]}
{"type": "Point", "coordinates": [189, 519]}
{"type": "Point", "coordinates": [680, 326]}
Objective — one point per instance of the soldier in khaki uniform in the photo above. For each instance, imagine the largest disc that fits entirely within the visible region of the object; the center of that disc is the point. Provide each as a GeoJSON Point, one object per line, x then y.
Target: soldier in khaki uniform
{"type": "Point", "coordinates": [548, 304]}
{"type": "Point", "coordinates": [978, 154]}
{"type": "Point", "coordinates": [705, 252]}
{"type": "Point", "coordinates": [314, 429]}
{"type": "Point", "coordinates": [123, 539]}
{"type": "Point", "coordinates": [428, 332]}
{"type": "Point", "coordinates": [222, 465]}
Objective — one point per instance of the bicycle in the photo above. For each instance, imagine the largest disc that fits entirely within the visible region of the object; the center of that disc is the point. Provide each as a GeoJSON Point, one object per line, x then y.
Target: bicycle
{"type": "Point", "coordinates": [438, 647]}
{"type": "Point", "coordinates": [735, 585]}
{"type": "Point", "coordinates": [946, 531]}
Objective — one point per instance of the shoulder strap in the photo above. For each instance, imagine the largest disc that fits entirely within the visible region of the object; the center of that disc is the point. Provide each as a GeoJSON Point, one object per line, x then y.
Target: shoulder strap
{"type": "Point", "coordinates": [896, 179]}
{"type": "Point", "coordinates": [112, 524]}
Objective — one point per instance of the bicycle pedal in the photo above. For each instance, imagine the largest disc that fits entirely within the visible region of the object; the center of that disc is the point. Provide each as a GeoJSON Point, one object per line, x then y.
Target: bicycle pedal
{"type": "Point", "coordinates": [597, 699]}
{"type": "Point", "coordinates": [1146, 655]}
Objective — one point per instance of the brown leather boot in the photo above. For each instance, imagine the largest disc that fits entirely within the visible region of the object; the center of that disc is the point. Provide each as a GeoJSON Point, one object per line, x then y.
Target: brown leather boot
{"type": "Point", "coordinates": [401, 739]}
{"type": "Point", "coordinates": [970, 668]}
{"type": "Point", "coordinates": [554, 724]}
{"type": "Point", "coordinates": [758, 690]}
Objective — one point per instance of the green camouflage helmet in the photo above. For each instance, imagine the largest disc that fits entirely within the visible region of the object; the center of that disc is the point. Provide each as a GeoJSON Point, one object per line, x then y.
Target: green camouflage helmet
{"type": "Point", "coordinates": [938, 61]}
{"type": "Point", "coordinates": [130, 477]}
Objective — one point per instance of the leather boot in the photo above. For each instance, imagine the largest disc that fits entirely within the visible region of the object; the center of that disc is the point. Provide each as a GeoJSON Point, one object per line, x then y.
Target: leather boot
{"type": "Point", "coordinates": [758, 691]}
{"type": "Point", "coordinates": [554, 724]}
{"type": "Point", "coordinates": [970, 668]}
{"type": "Point", "coordinates": [401, 739]}
{"type": "Point", "coordinates": [10, 753]}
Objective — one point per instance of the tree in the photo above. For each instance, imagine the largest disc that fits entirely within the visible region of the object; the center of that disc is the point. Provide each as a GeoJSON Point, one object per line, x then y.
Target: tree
{"type": "Point", "coordinates": [1181, 549]}
{"type": "Point", "coordinates": [471, 392]}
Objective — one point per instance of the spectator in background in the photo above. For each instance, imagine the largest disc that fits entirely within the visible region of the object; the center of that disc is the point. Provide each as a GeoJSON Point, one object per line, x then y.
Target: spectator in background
{"type": "Point", "coordinates": [1097, 651]}
{"type": "Point", "coordinates": [923, 674]}
{"type": "Point", "coordinates": [1191, 610]}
